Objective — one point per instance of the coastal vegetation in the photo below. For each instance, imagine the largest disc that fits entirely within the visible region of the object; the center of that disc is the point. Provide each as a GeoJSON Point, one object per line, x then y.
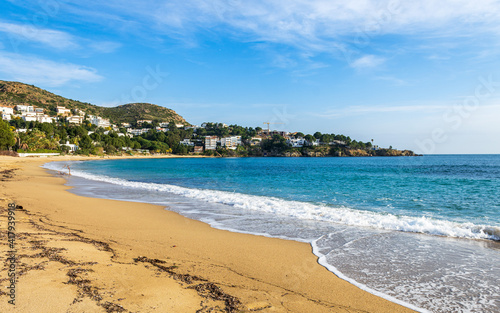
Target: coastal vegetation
{"type": "Point", "coordinates": [90, 139]}
{"type": "Point", "coordinates": [6, 136]}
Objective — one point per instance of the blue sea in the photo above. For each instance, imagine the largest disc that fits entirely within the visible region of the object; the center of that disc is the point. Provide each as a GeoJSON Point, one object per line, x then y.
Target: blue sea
{"type": "Point", "coordinates": [420, 231]}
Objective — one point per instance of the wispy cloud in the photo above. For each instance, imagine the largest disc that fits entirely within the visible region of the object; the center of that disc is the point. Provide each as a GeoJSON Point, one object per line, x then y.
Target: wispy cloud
{"type": "Point", "coordinates": [367, 61]}
{"type": "Point", "coordinates": [19, 33]}
{"type": "Point", "coordinates": [35, 70]}
{"type": "Point", "coordinates": [333, 27]}
{"type": "Point", "coordinates": [52, 38]}
{"type": "Point", "coordinates": [346, 30]}
{"type": "Point", "coordinates": [285, 21]}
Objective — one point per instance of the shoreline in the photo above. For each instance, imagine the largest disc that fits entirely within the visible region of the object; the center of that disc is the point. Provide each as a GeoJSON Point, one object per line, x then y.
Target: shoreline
{"type": "Point", "coordinates": [261, 273]}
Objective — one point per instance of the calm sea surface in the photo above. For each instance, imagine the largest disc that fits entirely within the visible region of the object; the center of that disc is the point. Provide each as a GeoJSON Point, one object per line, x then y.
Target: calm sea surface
{"type": "Point", "coordinates": [420, 231]}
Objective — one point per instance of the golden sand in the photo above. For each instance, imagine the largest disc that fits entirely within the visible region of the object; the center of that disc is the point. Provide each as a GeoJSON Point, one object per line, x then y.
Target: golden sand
{"type": "Point", "coordinates": [79, 254]}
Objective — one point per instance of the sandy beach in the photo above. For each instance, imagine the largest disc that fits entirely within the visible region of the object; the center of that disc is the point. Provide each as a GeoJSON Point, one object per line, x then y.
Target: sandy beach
{"type": "Point", "coordinates": [79, 254]}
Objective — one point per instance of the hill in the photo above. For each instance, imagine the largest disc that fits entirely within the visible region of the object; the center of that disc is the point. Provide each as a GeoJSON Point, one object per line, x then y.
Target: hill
{"type": "Point", "coordinates": [141, 111]}
{"type": "Point", "coordinates": [15, 93]}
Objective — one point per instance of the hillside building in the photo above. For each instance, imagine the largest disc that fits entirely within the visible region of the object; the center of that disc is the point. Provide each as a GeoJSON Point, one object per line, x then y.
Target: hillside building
{"type": "Point", "coordinates": [62, 110]}
{"type": "Point", "coordinates": [211, 142]}
{"type": "Point", "coordinates": [75, 119]}
{"type": "Point", "coordinates": [100, 122]}
{"type": "Point", "coordinates": [231, 142]}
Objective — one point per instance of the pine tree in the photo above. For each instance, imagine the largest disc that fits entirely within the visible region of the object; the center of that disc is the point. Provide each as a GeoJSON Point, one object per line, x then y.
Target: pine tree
{"type": "Point", "coordinates": [6, 136]}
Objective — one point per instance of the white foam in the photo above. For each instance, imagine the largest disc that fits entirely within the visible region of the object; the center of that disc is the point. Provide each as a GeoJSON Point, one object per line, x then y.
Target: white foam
{"type": "Point", "coordinates": [322, 261]}
{"type": "Point", "coordinates": [309, 211]}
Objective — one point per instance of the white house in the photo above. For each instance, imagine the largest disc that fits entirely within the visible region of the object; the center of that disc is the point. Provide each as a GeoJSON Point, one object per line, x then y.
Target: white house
{"type": "Point", "coordinates": [137, 132]}
{"type": "Point", "coordinates": [45, 119]}
{"type": "Point", "coordinates": [187, 142]}
{"type": "Point", "coordinates": [25, 108]}
{"type": "Point", "coordinates": [296, 143]}
{"type": "Point", "coordinates": [211, 142]}
{"type": "Point", "coordinates": [75, 119]}
{"type": "Point", "coordinates": [7, 110]}
{"type": "Point", "coordinates": [231, 142]}
{"type": "Point", "coordinates": [337, 143]}
{"type": "Point", "coordinates": [315, 142]}
{"type": "Point", "coordinates": [72, 147]}
{"type": "Point", "coordinates": [62, 110]}
{"type": "Point", "coordinates": [100, 122]}
{"type": "Point", "coordinates": [29, 118]}
{"type": "Point", "coordinates": [144, 121]}
{"type": "Point", "coordinates": [6, 113]}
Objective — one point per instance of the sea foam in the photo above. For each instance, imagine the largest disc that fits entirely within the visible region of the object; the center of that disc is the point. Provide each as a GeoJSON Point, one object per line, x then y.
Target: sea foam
{"type": "Point", "coordinates": [306, 210]}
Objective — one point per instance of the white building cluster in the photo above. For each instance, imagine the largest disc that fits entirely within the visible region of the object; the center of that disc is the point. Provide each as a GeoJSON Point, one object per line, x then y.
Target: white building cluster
{"type": "Point", "coordinates": [27, 113]}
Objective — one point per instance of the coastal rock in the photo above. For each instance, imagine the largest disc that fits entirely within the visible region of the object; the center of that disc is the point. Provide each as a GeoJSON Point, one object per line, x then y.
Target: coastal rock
{"type": "Point", "coordinates": [292, 154]}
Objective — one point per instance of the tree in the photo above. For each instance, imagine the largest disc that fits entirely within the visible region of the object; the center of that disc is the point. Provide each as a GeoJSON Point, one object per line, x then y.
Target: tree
{"type": "Point", "coordinates": [299, 134]}
{"type": "Point", "coordinates": [180, 149]}
{"type": "Point", "coordinates": [310, 138]}
{"type": "Point", "coordinates": [85, 143]}
{"type": "Point", "coordinates": [36, 139]}
{"type": "Point", "coordinates": [136, 145]}
{"type": "Point", "coordinates": [6, 136]}
{"type": "Point", "coordinates": [80, 131]}
{"type": "Point", "coordinates": [317, 135]}
{"type": "Point", "coordinates": [276, 143]}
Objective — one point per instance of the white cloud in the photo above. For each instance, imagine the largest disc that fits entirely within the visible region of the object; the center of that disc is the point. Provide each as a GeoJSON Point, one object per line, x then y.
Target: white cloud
{"type": "Point", "coordinates": [315, 23]}
{"type": "Point", "coordinates": [53, 38]}
{"type": "Point", "coordinates": [17, 33]}
{"type": "Point", "coordinates": [367, 61]}
{"type": "Point", "coordinates": [346, 30]}
{"type": "Point", "coordinates": [343, 29]}
{"type": "Point", "coordinates": [34, 70]}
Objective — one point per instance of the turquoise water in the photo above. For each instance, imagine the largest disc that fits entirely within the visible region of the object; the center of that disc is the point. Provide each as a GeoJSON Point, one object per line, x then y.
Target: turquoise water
{"type": "Point", "coordinates": [429, 224]}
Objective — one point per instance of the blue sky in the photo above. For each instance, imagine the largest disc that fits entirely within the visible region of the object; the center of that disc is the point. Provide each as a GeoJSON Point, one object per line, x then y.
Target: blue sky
{"type": "Point", "coordinates": [422, 75]}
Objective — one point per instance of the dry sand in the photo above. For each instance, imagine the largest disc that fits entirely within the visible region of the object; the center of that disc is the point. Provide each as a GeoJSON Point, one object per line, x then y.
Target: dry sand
{"type": "Point", "coordinates": [78, 254]}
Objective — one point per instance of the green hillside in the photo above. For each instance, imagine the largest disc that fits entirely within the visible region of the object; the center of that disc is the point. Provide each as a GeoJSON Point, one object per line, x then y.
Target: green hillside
{"type": "Point", "coordinates": [15, 93]}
